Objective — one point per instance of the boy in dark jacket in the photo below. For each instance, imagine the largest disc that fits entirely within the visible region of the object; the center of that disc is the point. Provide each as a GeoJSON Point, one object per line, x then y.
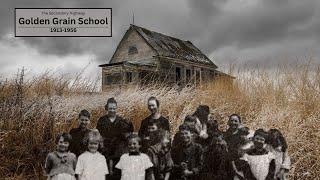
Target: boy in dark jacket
{"type": "Point", "coordinates": [152, 137]}
{"type": "Point", "coordinates": [76, 145]}
{"type": "Point", "coordinates": [160, 156]}
{"type": "Point", "coordinates": [187, 157]}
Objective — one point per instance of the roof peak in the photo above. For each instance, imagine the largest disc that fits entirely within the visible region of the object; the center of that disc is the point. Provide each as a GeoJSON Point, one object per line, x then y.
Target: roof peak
{"type": "Point", "coordinates": [135, 26]}
{"type": "Point", "coordinates": [172, 47]}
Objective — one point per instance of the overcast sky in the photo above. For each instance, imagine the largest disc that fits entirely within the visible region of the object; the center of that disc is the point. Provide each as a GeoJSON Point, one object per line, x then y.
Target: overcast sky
{"type": "Point", "coordinates": [241, 31]}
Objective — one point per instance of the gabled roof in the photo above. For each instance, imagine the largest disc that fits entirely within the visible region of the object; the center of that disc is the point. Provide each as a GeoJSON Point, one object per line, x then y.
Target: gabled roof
{"type": "Point", "coordinates": [167, 46]}
{"type": "Point", "coordinates": [136, 63]}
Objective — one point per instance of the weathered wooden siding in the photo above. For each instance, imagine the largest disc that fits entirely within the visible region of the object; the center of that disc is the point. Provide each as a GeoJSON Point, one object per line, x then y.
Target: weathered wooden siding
{"type": "Point", "coordinates": [132, 38]}
{"type": "Point", "coordinates": [167, 72]}
{"type": "Point", "coordinates": [189, 74]}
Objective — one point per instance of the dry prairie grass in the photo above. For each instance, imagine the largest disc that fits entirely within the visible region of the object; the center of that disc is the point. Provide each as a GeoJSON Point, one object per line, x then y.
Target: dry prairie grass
{"type": "Point", "coordinates": [33, 111]}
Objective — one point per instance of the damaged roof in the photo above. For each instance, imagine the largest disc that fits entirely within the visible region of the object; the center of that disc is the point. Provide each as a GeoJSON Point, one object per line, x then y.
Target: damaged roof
{"type": "Point", "coordinates": [128, 63]}
{"type": "Point", "coordinates": [171, 47]}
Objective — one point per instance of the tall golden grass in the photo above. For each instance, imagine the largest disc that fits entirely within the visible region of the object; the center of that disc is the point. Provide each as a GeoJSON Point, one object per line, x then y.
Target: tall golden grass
{"type": "Point", "coordinates": [33, 111]}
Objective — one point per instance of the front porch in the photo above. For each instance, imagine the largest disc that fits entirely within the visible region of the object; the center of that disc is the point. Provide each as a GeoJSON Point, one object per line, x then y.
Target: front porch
{"type": "Point", "coordinates": [124, 74]}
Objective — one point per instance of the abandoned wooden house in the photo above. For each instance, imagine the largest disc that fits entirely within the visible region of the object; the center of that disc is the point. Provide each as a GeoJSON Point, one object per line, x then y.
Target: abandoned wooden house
{"type": "Point", "coordinates": [145, 56]}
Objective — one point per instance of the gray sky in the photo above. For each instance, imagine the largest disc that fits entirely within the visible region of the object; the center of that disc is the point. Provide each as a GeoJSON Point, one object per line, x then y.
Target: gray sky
{"type": "Point", "coordinates": [237, 31]}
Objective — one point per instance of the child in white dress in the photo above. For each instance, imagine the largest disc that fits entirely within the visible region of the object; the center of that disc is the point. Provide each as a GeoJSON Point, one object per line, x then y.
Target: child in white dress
{"type": "Point", "coordinates": [261, 162]}
{"type": "Point", "coordinates": [135, 165]}
{"type": "Point", "coordinates": [91, 164]}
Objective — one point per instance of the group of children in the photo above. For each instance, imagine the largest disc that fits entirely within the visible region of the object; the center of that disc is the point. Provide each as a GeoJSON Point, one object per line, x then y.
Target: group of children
{"type": "Point", "coordinates": [198, 151]}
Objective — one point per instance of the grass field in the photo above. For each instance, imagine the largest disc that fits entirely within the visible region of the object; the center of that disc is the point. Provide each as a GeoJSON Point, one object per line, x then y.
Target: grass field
{"type": "Point", "coordinates": [33, 110]}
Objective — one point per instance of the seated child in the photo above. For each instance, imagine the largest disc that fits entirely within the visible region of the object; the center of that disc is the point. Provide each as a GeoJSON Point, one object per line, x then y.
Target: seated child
{"type": "Point", "coordinates": [161, 157]}
{"type": "Point", "coordinates": [76, 146]}
{"type": "Point", "coordinates": [260, 162]}
{"type": "Point", "coordinates": [91, 164]}
{"type": "Point", "coordinates": [187, 156]}
{"type": "Point", "coordinates": [135, 165]}
{"type": "Point", "coordinates": [60, 164]}
{"type": "Point", "coordinates": [194, 125]}
{"type": "Point", "coordinates": [278, 146]}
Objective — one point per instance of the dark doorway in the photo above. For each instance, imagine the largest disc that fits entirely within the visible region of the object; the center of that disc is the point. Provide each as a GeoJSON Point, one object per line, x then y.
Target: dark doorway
{"type": "Point", "coordinates": [178, 75]}
{"type": "Point", "coordinates": [188, 76]}
{"type": "Point", "coordinates": [198, 77]}
{"type": "Point", "coordinates": [129, 77]}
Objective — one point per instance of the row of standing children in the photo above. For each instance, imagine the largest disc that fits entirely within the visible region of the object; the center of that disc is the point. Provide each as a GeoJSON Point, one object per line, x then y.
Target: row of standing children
{"type": "Point", "coordinates": [199, 149]}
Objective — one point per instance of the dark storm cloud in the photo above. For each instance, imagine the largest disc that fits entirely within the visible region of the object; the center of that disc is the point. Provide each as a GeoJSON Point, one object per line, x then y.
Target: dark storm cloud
{"type": "Point", "coordinates": [245, 26]}
{"type": "Point", "coordinates": [267, 22]}
{"type": "Point", "coordinates": [206, 9]}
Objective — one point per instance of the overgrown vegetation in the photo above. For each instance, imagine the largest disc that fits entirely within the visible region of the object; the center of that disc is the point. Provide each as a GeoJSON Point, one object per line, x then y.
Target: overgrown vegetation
{"type": "Point", "coordinates": [34, 110]}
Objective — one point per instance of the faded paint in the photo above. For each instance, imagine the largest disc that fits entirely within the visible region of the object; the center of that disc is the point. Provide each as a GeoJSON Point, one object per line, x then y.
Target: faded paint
{"type": "Point", "coordinates": [132, 38]}
{"type": "Point", "coordinates": [144, 56]}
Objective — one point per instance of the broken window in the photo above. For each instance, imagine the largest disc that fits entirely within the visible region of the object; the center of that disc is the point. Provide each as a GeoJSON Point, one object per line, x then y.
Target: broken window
{"type": "Point", "coordinates": [113, 79]}
{"type": "Point", "coordinates": [178, 75]}
{"type": "Point", "coordinates": [129, 77]}
{"type": "Point", "coordinates": [188, 76]}
{"type": "Point", "coordinates": [132, 50]}
{"type": "Point", "coordinates": [198, 77]}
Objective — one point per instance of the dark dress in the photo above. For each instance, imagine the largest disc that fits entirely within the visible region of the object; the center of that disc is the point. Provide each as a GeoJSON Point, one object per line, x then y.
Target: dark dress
{"type": "Point", "coordinates": [162, 122]}
{"type": "Point", "coordinates": [216, 163]}
{"type": "Point", "coordinates": [115, 141]}
{"type": "Point", "coordinates": [234, 141]}
{"type": "Point", "coordinates": [162, 161]}
{"type": "Point", "coordinates": [192, 156]}
{"type": "Point", "coordinates": [76, 145]}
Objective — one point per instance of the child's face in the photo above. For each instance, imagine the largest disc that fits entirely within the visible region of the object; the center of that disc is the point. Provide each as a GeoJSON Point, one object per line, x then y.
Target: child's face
{"type": "Point", "coordinates": [244, 137]}
{"type": "Point", "coordinates": [93, 145]}
{"type": "Point", "coordinates": [84, 121]}
{"type": "Point", "coordinates": [152, 128]}
{"type": "Point", "coordinates": [218, 140]}
{"type": "Point", "coordinates": [152, 106]}
{"type": "Point", "coordinates": [275, 139]}
{"type": "Point", "coordinates": [112, 109]}
{"type": "Point", "coordinates": [186, 136]}
{"type": "Point", "coordinates": [134, 145]}
{"type": "Point", "coordinates": [258, 141]}
{"type": "Point", "coordinates": [234, 122]}
{"type": "Point", "coordinates": [165, 143]}
{"type": "Point", "coordinates": [62, 145]}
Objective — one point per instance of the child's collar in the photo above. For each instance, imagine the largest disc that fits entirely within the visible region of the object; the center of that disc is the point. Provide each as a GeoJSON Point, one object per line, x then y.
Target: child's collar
{"type": "Point", "coordinates": [62, 156]}
{"type": "Point", "coordinates": [258, 152]}
{"type": "Point", "coordinates": [114, 119]}
{"type": "Point", "coordinates": [134, 153]}
{"type": "Point", "coordinates": [91, 152]}
{"type": "Point", "coordinates": [61, 153]}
